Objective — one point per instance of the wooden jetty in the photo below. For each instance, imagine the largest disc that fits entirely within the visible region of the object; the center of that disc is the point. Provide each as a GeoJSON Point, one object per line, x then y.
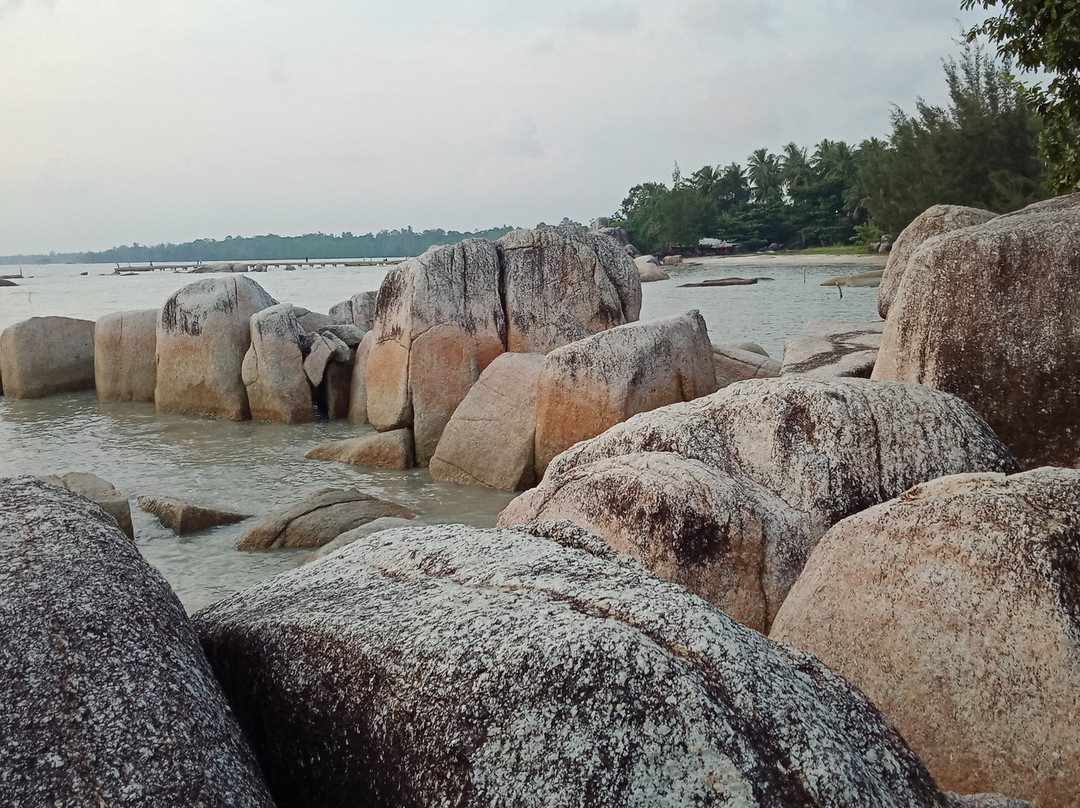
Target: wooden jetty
{"type": "Point", "coordinates": [256, 266]}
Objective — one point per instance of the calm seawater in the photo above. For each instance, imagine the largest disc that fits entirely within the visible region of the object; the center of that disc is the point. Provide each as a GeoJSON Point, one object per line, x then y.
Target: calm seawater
{"type": "Point", "coordinates": [259, 468]}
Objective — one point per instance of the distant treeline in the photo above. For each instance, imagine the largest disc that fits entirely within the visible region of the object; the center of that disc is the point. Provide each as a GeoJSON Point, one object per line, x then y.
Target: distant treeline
{"type": "Point", "coordinates": [384, 244]}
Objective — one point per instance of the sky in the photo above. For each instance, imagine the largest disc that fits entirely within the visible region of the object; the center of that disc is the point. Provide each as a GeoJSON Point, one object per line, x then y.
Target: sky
{"type": "Point", "coordinates": [155, 121]}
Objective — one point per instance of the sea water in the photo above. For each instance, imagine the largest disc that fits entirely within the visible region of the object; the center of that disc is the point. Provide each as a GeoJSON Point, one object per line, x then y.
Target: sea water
{"type": "Point", "coordinates": [258, 468]}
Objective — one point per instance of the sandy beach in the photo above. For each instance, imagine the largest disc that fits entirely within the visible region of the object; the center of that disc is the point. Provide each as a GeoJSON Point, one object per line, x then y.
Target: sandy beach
{"type": "Point", "coordinates": [869, 260]}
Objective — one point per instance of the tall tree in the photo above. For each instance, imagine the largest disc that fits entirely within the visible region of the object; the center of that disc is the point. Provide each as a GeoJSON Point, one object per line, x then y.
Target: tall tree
{"type": "Point", "coordinates": [767, 184]}
{"type": "Point", "coordinates": [980, 150]}
{"type": "Point", "coordinates": [1043, 38]}
{"type": "Point", "coordinates": [795, 169]}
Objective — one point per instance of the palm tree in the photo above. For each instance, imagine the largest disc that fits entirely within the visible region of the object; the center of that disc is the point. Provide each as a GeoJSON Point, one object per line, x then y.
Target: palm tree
{"type": "Point", "coordinates": [795, 169]}
{"type": "Point", "coordinates": [763, 168]}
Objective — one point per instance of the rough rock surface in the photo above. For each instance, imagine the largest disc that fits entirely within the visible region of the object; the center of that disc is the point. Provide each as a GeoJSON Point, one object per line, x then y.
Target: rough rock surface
{"type": "Point", "coordinates": [989, 314]}
{"type": "Point", "coordinates": [101, 492]}
{"type": "Point", "coordinates": [318, 518]}
{"type": "Point", "coordinates": [735, 363]}
{"type": "Point", "coordinates": [278, 389]}
{"type": "Point", "coordinates": [823, 449]}
{"type": "Point", "coordinates": [107, 696]}
{"type": "Point", "coordinates": [956, 608]}
{"type": "Point", "coordinates": [46, 355]}
{"type": "Point", "coordinates": [597, 382]}
{"type": "Point", "coordinates": [384, 450]}
{"type": "Point", "coordinates": [358, 310]}
{"type": "Point", "coordinates": [490, 438]}
{"type": "Point", "coordinates": [439, 323]}
{"type": "Point", "coordinates": [828, 348]}
{"type": "Point", "coordinates": [562, 284]}
{"type": "Point", "coordinates": [349, 536]}
{"type": "Point", "coordinates": [202, 336]}
{"type": "Point", "coordinates": [185, 517]}
{"type": "Point", "coordinates": [452, 666]}
{"type": "Point", "coordinates": [932, 222]}
{"type": "Point", "coordinates": [358, 388]}
{"type": "Point", "coordinates": [125, 368]}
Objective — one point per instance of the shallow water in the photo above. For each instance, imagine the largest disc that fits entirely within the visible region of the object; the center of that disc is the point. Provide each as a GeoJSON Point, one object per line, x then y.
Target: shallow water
{"type": "Point", "coordinates": [259, 468]}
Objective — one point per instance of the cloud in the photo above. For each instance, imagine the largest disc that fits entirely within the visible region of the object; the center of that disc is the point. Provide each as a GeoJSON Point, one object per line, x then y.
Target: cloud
{"type": "Point", "coordinates": [610, 19]}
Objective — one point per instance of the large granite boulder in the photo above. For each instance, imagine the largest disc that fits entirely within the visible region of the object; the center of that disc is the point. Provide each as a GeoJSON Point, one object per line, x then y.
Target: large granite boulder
{"type": "Point", "coordinates": [278, 389]}
{"type": "Point", "coordinates": [358, 310]}
{"type": "Point", "coordinates": [457, 666]}
{"type": "Point", "coordinates": [125, 367]}
{"type": "Point", "coordinates": [46, 355]}
{"type": "Point", "coordinates": [828, 348]}
{"type": "Point", "coordinates": [203, 334]}
{"type": "Point", "coordinates": [728, 494]}
{"type": "Point", "coordinates": [649, 269]}
{"type": "Point", "coordinates": [590, 385]}
{"type": "Point", "coordinates": [988, 313]}
{"type": "Point", "coordinates": [562, 284]}
{"type": "Point", "coordinates": [490, 438]}
{"type": "Point", "coordinates": [956, 609]}
{"type": "Point", "coordinates": [439, 322]}
{"type": "Point", "coordinates": [318, 518]}
{"type": "Point", "coordinates": [99, 491]}
{"type": "Point", "coordinates": [932, 222]}
{"type": "Point", "coordinates": [107, 696]}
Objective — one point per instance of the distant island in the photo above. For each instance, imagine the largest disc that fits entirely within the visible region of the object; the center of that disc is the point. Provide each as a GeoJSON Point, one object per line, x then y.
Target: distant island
{"type": "Point", "coordinates": [384, 244]}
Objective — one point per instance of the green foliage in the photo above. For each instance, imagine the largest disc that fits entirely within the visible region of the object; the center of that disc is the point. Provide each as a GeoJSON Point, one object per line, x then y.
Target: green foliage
{"type": "Point", "coordinates": [866, 233]}
{"type": "Point", "coordinates": [979, 151]}
{"type": "Point", "coordinates": [1043, 36]}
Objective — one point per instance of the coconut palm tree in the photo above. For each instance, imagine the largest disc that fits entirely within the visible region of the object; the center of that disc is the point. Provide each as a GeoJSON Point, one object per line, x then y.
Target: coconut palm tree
{"type": "Point", "coordinates": [763, 169]}
{"type": "Point", "coordinates": [795, 168]}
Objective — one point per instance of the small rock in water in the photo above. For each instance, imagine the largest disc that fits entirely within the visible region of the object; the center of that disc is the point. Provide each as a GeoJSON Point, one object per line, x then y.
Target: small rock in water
{"type": "Point", "coordinates": [184, 517]}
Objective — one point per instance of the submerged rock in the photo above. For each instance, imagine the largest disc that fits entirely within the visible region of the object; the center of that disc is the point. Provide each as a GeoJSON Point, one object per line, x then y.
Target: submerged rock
{"type": "Point", "coordinates": [185, 517]}
{"type": "Point", "coordinates": [451, 666]}
{"type": "Point", "coordinates": [384, 450]}
{"type": "Point", "coordinates": [107, 696]}
{"type": "Point", "coordinates": [318, 518]}
{"type": "Point", "coordinates": [956, 608]}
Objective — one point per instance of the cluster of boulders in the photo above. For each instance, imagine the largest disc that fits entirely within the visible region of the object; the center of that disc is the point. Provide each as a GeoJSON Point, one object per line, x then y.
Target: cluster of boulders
{"type": "Point", "coordinates": [434, 665]}
{"type": "Point", "coordinates": [688, 500]}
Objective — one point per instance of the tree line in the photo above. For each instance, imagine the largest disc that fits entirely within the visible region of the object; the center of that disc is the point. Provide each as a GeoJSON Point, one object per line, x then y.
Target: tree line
{"type": "Point", "coordinates": [981, 149]}
{"type": "Point", "coordinates": [384, 244]}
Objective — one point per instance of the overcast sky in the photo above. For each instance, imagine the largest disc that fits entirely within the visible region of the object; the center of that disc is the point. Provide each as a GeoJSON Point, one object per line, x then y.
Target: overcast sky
{"type": "Point", "coordinates": [158, 120]}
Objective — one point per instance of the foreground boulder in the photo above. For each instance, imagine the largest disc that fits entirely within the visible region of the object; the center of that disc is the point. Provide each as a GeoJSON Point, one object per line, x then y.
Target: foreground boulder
{"type": "Point", "coordinates": [125, 368]}
{"type": "Point", "coordinates": [955, 608]}
{"type": "Point", "coordinates": [101, 492]}
{"type": "Point", "coordinates": [490, 440]}
{"type": "Point", "coordinates": [452, 666]}
{"type": "Point", "coordinates": [828, 348]}
{"type": "Point", "coordinates": [932, 222]}
{"type": "Point", "coordinates": [439, 323]}
{"type": "Point", "coordinates": [202, 336]}
{"type": "Point", "coordinates": [108, 699]}
{"type": "Point", "coordinates": [562, 284]}
{"type": "Point", "coordinates": [597, 382]}
{"type": "Point", "coordinates": [728, 494]}
{"type": "Point", "coordinates": [46, 355]}
{"type": "Point", "coordinates": [989, 313]}
{"type": "Point", "coordinates": [317, 519]}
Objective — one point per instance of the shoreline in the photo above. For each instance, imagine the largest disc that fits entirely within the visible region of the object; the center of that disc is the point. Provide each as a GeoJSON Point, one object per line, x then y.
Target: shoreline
{"type": "Point", "coordinates": [869, 259]}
